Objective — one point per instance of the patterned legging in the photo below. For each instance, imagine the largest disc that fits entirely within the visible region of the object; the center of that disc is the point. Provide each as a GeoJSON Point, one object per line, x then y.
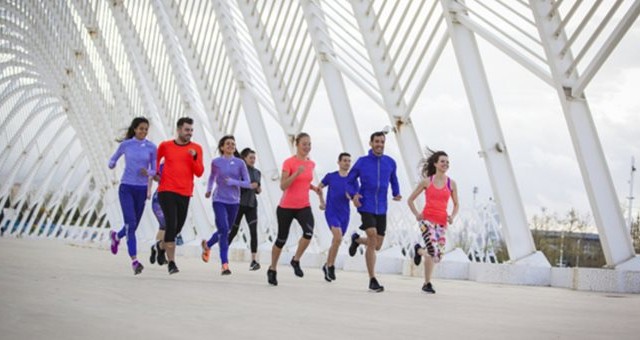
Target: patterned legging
{"type": "Point", "coordinates": [434, 239]}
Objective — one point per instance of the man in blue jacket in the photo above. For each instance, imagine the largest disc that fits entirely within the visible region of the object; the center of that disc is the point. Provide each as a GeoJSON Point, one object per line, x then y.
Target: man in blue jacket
{"type": "Point", "coordinates": [375, 172]}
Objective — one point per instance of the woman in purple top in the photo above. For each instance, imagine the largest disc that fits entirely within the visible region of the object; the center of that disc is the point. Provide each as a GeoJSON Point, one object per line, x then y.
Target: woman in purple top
{"type": "Point", "coordinates": [140, 164]}
{"type": "Point", "coordinates": [230, 174]}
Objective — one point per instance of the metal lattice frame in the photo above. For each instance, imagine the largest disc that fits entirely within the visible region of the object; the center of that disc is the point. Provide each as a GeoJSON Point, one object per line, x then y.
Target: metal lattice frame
{"type": "Point", "coordinates": [67, 67]}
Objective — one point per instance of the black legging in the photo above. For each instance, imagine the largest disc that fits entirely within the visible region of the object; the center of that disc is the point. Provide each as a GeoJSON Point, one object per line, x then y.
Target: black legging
{"type": "Point", "coordinates": [174, 207]}
{"type": "Point", "coordinates": [251, 216]}
{"type": "Point", "coordinates": [285, 218]}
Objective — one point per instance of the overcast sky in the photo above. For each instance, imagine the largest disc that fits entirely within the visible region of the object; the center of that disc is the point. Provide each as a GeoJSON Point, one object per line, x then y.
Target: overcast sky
{"type": "Point", "coordinates": [532, 122]}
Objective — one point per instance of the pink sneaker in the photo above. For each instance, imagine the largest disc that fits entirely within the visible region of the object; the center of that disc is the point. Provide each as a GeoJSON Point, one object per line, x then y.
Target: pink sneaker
{"type": "Point", "coordinates": [114, 242]}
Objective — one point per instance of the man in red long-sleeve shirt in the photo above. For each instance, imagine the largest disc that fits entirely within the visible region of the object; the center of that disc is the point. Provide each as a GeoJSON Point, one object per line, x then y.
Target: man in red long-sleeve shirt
{"type": "Point", "coordinates": [182, 160]}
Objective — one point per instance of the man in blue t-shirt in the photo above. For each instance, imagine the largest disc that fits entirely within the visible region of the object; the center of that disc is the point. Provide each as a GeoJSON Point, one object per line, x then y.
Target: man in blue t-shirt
{"type": "Point", "coordinates": [336, 210]}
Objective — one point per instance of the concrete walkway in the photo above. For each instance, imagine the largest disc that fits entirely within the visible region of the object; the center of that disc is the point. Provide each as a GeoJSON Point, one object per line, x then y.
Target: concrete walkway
{"type": "Point", "coordinates": [56, 290]}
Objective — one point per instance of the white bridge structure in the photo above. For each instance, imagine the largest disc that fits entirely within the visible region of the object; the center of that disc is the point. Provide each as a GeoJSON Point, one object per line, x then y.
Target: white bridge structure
{"type": "Point", "coordinates": [73, 73]}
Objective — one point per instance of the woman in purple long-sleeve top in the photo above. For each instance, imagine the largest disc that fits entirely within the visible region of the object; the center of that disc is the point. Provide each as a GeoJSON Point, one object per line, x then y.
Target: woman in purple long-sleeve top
{"type": "Point", "coordinates": [229, 172]}
{"type": "Point", "coordinates": [140, 164]}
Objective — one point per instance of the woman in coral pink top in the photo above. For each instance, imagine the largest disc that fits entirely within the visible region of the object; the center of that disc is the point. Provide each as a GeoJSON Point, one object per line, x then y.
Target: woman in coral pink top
{"type": "Point", "coordinates": [438, 189]}
{"type": "Point", "coordinates": [295, 181]}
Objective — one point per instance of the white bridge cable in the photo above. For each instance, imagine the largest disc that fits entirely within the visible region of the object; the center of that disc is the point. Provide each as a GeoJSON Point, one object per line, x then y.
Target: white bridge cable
{"type": "Point", "coordinates": [156, 59]}
{"type": "Point", "coordinates": [510, 37]}
{"type": "Point", "coordinates": [580, 27]}
{"type": "Point", "coordinates": [578, 57]}
{"type": "Point", "coordinates": [220, 80]}
{"type": "Point", "coordinates": [350, 53]}
{"type": "Point", "coordinates": [410, 54]}
{"type": "Point", "coordinates": [438, 28]}
{"type": "Point", "coordinates": [292, 54]}
{"type": "Point", "coordinates": [349, 48]}
{"type": "Point", "coordinates": [565, 20]}
{"type": "Point", "coordinates": [592, 31]}
{"type": "Point", "coordinates": [517, 27]}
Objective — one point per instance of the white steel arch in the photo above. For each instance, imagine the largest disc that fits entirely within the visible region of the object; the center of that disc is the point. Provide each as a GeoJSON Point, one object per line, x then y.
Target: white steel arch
{"type": "Point", "coordinates": [73, 74]}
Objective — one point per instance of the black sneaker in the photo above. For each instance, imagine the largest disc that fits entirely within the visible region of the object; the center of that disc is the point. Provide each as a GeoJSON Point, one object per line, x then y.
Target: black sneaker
{"type": "Point", "coordinates": [296, 268]}
{"type": "Point", "coordinates": [332, 272]}
{"type": "Point", "coordinates": [173, 268]}
{"type": "Point", "coordinates": [375, 286]}
{"type": "Point", "coordinates": [162, 257]}
{"type": "Point", "coordinates": [417, 257]}
{"type": "Point", "coordinates": [325, 270]}
{"type": "Point", "coordinates": [428, 288]}
{"type": "Point", "coordinates": [353, 247]}
{"type": "Point", "coordinates": [154, 253]}
{"type": "Point", "coordinates": [271, 277]}
{"type": "Point", "coordinates": [137, 268]}
{"type": "Point", "coordinates": [225, 269]}
{"type": "Point", "coordinates": [254, 265]}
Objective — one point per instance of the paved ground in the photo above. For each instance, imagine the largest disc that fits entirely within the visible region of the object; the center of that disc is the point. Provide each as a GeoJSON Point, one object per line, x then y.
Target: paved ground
{"type": "Point", "coordinates": [51, 289]}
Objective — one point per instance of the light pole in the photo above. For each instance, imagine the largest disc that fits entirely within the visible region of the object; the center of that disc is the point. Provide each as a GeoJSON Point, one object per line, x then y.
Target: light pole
{"type": "Point", "coordinates": [630, 197]}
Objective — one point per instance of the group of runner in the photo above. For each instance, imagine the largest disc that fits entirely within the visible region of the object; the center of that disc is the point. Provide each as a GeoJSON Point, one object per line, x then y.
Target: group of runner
{"type": "Point", "coordinates": [174, 163]}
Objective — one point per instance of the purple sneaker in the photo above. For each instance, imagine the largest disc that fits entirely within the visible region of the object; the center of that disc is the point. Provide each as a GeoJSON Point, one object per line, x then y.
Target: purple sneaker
{"type": "Point", "coordinates": [114, 242]}
{"type": "Point", "coordinates": [137, 267]}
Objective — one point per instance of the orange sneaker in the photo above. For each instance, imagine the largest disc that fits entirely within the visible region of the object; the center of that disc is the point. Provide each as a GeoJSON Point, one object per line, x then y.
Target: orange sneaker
{"type": "Point", "coordinates": [205, 251]}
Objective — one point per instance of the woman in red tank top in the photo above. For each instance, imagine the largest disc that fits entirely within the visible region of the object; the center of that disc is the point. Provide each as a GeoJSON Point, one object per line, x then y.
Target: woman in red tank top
{"type": "Point", "coordinates": [434, 219]}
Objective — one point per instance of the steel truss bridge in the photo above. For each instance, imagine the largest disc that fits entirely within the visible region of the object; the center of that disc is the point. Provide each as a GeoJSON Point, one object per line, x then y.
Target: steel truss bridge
{"type": "Point", "coordinates": [73, 73]}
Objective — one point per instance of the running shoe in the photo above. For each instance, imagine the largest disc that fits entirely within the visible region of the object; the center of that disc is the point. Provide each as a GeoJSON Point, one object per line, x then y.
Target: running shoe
{"type": "Point", "coordinates": [332, 272]}
{"type": "Point", "coordinates": [416, 256]}
{"type": "Point", "coordinates": [325, 270]}
{"type": "Point", "coordinates": [137, 267]}
{"type": "Point", "coordinates": [353, 247]}
{"type": "Point", "coordinates": [254, 265]}
{"type": "Point", "coordinates": [162, 258]}
{"type": "Point", "coordinates": [271, 277]}
{"type": "Point", "coordinates": [154, 253]}
{"type": "Point", "coordinates": [428, 288]}
{"type": "Point", "coordinates": [296, 268]}
{"type": "Point", "coordinates": [206, 251]}
{"type": "Point", "coordinates": [113, 236]}
{"type": "Point", "coordinates": [375, 286]}
{"type": "Point", "coordinates": [173, 269]}
{"type": "Point", "coordinates": [225, 269]}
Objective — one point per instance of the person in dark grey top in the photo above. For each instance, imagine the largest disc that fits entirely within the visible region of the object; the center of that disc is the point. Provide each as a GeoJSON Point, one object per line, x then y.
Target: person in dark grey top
{"type": "Point", "coordinates": [249, 207]}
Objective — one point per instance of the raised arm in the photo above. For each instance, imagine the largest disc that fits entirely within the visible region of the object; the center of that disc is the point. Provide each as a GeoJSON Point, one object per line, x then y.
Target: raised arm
{"type": "Point", "coordinates": [160, 154]}
{"type": "Point", "coordinates": [352, 184]}
{"type": "Point", "coordinates": [454, 198]}
{"type": "Point", "coordinates": [258, 187]}
{"type": "Point", "coordinates": [114, 159]}
{"type": "Point", "coordinates": [245, 181]}
{"type": "Point", "coordinates": [395, 187]}
{"type": "Point", "coordinates": [198, 163]}
{"type": "Point", "coordinates": [150, 169]}
{"type": "Point", "coordinates": [416, 192]}
{"type": "Point", "coordinates": [352, 179]}
{"type": "Point", "coordinates": [212, 178]}
{"type": "Point", "coordinates": [152, 162]}
{"type": "Point", "coordinates": [323, 183]}
{"type": "Point", "coordinates": [289, 175]}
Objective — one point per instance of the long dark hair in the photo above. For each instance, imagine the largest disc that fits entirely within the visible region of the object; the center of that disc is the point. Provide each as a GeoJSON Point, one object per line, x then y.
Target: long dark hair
{"type": "Point", "coordinates": [428, 163]}
{"type": "Point", "coordinates": [131, 129]}
{"type": "Point", "coordinates": [221, 144]}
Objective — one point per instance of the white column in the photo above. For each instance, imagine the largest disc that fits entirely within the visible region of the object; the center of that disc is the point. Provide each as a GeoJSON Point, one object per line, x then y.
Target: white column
{"type": "Point", "coordinates": [395, 105]}
{"type": "Point", "coordinates": [269, 63]}
{"type": "Point", "coordinates": [332, 78]}
{"type": "Point", "coordinates": [605, 205]}
{"type": "Point", "coordinates": [252, 111]}
{"type": "Point", "coordinates": [144, 84]}
{"type": "Point", "coordinates": [494, 151]}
